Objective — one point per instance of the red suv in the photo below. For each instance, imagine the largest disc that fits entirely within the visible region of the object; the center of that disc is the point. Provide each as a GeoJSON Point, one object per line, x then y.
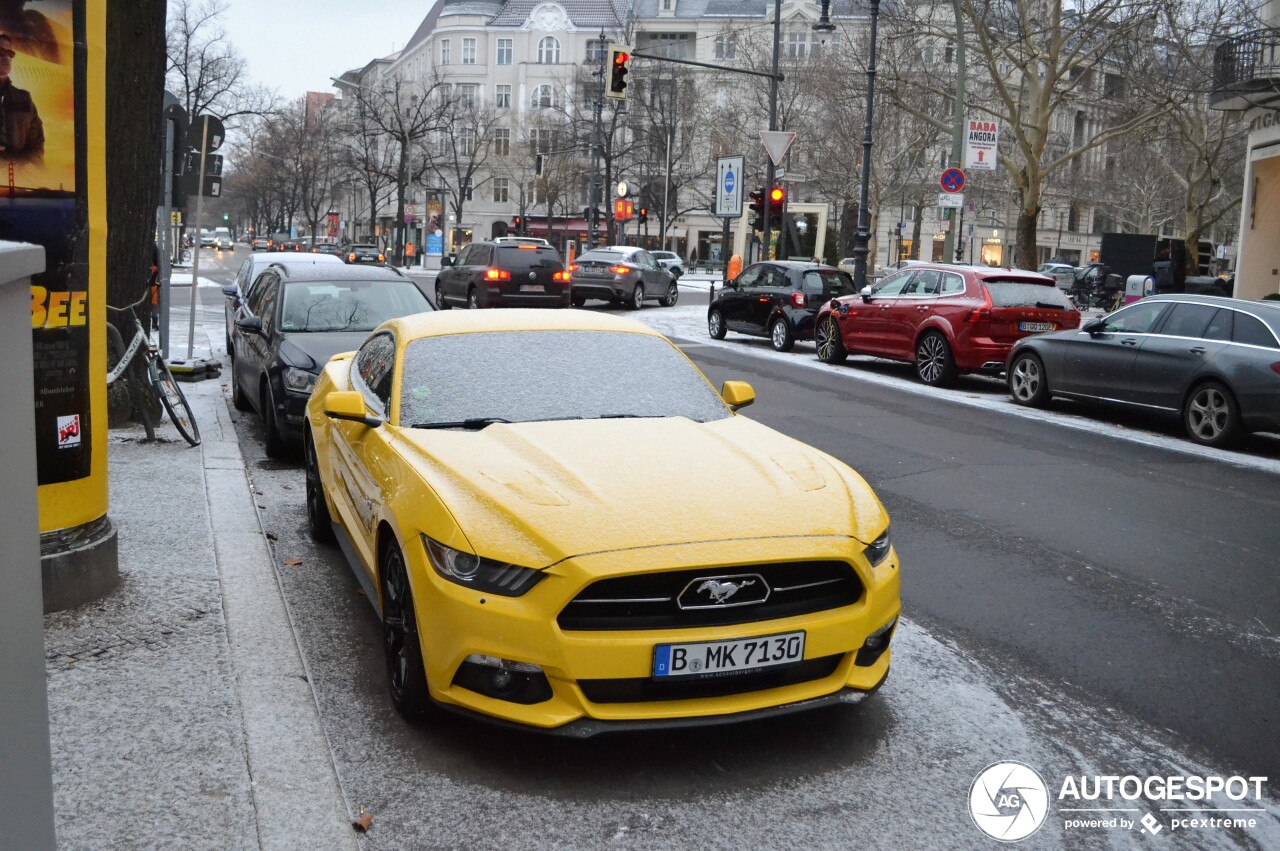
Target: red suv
{"type": "Point", "coordinates": [945, 319]}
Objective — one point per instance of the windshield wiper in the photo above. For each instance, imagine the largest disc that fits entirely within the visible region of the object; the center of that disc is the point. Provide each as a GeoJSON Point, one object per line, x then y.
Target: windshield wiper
{"type": "Point", "coordinates": [475, 423]}
{"type": "Point", "coordinates": [630, 417]}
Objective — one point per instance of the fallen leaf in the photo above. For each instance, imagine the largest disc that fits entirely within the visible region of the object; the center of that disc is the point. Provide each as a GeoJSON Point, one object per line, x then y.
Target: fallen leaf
{"type": "Point", "coordinates": [363, 822]}
{"type": "Point", "coordinates": [293, 561]}
{"type": "Point", "coordinates": [271, 536]}
{"type": "Point", "coordinates": [263, 507]}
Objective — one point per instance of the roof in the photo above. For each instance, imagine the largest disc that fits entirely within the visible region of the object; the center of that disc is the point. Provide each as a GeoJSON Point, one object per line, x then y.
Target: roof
{"type": "Point", "coordinates": [583, 13]}
{"type": "Point", "coordinates": [648, 9]}
{"type": "Point", "coordinates": [343, 272]}
{"type": "Point", "coordinates": [1270, 308]}
{"type": "Point", "coordinates": [513, 319]}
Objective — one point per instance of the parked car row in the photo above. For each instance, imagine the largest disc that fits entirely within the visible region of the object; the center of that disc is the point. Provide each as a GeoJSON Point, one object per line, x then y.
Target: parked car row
{"type": "Point", "coordinates": [1214, 362]}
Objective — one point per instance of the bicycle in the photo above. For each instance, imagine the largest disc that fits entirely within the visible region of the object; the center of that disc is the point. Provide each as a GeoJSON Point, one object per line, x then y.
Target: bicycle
{"type": "Point", "coordinates": [158, 374]}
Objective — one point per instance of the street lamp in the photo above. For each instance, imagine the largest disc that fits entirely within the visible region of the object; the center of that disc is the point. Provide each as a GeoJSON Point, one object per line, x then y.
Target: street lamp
{"type": "Point", "coordinates": [862, 237]}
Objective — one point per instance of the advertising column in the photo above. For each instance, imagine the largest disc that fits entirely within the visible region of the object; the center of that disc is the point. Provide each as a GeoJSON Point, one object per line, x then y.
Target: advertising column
{"type": "Point", "coordinates": [53, 193]}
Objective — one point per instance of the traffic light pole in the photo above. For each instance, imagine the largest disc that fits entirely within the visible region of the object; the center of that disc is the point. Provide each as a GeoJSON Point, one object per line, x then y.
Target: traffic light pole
{"type": "Point", "coordinates": [769, 173]}
{"type": "Point", "coordinates": [195, 253]}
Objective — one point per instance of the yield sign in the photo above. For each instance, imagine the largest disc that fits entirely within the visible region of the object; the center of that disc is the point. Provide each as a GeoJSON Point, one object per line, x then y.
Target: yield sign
{"type": "Point", "coordinates": [776, 143]}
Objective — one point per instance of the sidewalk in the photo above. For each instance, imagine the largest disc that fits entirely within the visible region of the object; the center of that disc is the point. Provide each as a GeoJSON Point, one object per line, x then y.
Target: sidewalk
{"type": "Point", "coordinates": [181, 713]}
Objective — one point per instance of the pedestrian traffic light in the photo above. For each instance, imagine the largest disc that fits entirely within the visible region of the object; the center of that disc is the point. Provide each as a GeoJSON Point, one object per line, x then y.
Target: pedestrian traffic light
{"type": "Point", "coordinates": [757, 209]}
{"type": "Point", "coordinates": [616, 73]}
{"type": "Point", "coordinates": [644, 216]}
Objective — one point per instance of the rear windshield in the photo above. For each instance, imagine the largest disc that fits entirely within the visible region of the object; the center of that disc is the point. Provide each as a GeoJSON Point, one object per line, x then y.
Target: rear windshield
{"type": "Point", "coordinates": [826, 282]}
{"type": "Point", "coordinates": [605, 256]}
{"type": "Point", "coordinates": [526, 255]}
{"type": "Point", "coordinates": [1005, 293]}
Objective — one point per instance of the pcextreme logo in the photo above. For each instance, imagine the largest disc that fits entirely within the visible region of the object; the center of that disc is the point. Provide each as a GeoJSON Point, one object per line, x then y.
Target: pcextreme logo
{"type": "Point", "coordinates": [1009, 801]}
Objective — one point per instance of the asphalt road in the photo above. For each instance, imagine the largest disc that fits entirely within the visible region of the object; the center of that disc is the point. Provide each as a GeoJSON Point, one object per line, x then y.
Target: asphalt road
{"type": "Point", "coordinates": [1082, 602]}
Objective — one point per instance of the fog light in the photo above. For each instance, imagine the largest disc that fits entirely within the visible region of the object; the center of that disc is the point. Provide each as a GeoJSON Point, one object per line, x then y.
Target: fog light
{"type": "Point", "coordinates": [504, 679]}
{"type": "Point", "coordinates": [501, 678]}
{"type": "Point", "coordinates": [875, 645]}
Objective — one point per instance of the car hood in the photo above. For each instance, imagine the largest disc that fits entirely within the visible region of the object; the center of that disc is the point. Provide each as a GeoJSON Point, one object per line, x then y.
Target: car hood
{"type": "Point", "coordinates": [311, 351]}
{"type": "Point", "coordinates": [537, 493]}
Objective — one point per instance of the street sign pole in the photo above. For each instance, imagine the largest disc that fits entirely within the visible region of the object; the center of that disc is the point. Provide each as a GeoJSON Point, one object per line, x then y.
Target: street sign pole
{"type": "Point", "coordinates": [195, 253]}
{"type": "Point", "coordinates": [165, 232]}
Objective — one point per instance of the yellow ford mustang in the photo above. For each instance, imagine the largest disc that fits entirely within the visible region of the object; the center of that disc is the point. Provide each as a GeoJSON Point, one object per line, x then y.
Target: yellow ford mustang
{"type": "Point", "coordinates": [563, 525]}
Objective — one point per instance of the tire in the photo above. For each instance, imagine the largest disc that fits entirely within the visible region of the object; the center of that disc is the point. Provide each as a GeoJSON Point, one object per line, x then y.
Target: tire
{"type": "Point", "coordinates": [1028, 382]}
{"type": "Point", "coordinates": [637, 298]}
{"type": "Point", "coordinates": [441, 304]}
{"type": "Point", "coordinates": [175, 403]}
{"type": "Point", "coordinates": [473, 299]}
{"type": "Point", "coordinates": [318, 518]}
{"type": "Point", "coordinates": [578, 300]}
{"type": "Point", "coordinates": [715, 325]}
{"type": "Point", "coordinates": [275, 444]}
{"type": "Point", "coordinates": [830, 343]}
{"type": "Point", "coordinates": [780, 335]}
{"type": "Point", "coordinates": [401, 647]}
{"type": "Point", "coordinates": [935, 364]}
{"type": "Point", "coordinates": [238, 400]}
{"type": "Point", "coordinates": [1211, 416]}
{"type": "Point", "coordinates": [672, 296]}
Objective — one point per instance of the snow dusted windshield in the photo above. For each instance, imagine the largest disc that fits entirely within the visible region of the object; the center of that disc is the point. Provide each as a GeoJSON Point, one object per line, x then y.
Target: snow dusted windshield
{"type": "Point", "coordinates": [525, 376]}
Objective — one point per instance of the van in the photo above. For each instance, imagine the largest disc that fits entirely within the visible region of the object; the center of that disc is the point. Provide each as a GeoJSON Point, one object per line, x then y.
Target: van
{"type": "Point", "coordinates": [222, 238]}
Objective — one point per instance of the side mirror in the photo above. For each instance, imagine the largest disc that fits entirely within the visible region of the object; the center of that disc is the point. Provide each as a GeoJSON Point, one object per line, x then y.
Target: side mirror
{"type": "Point", "coordinates": [348, 405]}
{"type": "Point", "coordinates": [250, 323]}
{"type": "Point", "coordinates": [446, 260]}
{"type": "Point", "coordinates": [737, 394]}
{"type": "Point", "coordinates": [866, 294]}
{"type": "Point", "coordinates": [231, 291]}
{"type": "Point", "coordinates": [732, 283]}
{"type": "Point", "coordinates": [1093, 326]}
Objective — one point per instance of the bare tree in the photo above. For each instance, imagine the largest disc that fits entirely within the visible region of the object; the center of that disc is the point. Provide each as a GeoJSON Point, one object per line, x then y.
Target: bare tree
{"type": "Point", "coordinates": [461, 145]}
{"type": "Point", "coordinates": [204, 70]}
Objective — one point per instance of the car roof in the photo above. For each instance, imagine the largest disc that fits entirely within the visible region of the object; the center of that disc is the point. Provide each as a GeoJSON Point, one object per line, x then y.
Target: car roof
{"type": "Point", "coordinates": [343, 272]}
{"type": "Point", "coordinates": [288, 258]}
{"type": "Point", "coordinates": [798, 264]}
{"type": "Point", "coordinates": [1269, 309]}
{"type": "Point", "coordinates": [983, 272]}
{"type": "Point", "coordinates": [442, 323]}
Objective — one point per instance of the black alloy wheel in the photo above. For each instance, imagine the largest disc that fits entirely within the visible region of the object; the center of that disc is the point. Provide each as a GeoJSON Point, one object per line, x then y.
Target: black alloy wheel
{"type": "Point", "coordinates": [473, 299]}
{"type": "Point", "coordinates": [1028, 384]}
{"type": "Point", "coordinates": [441, 304]}
{"type": "Point", "coordinates": [1211, 415]}
{"type": "Point", "coordinates": [780, 335]}
{"type": "Point", "coordinates": [406, 676]}
{"type": "Point", "coordinates": [934, 363]}
{"type": "Point", "coordinates": [715, 325]}
{"type": "Point", "coordinates": [318, 519]}
{"type": "Point", "coordinates": [578, 300]}
{"type": "Point", "coordinates": [275, 444]}
{"type": "Point", "coordinates": [830, 344]}
{"type": "Point", "coordinates": [238, 398]}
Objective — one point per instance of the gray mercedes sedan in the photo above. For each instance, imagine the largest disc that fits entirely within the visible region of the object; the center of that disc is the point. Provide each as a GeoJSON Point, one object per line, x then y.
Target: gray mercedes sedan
{"type": "Point", "coordinates": [1215, 362]}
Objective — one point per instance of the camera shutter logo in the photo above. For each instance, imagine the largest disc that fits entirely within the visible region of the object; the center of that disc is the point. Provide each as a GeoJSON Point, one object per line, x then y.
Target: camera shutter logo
{"type": "Point", "coordinates": [1008, 801]}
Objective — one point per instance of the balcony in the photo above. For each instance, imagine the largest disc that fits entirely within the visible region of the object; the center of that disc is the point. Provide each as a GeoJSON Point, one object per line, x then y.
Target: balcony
{"type": "Point", "coordinates": [1246, 71]}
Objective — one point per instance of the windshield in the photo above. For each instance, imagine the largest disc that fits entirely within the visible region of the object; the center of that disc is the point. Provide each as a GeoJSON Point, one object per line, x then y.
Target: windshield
{"type": "Point", "coordinates": [1027, 294]}
{"type": "Point", "coordinates": [530, 376]}
{"type": "Point", "coordinates": [347, 305]}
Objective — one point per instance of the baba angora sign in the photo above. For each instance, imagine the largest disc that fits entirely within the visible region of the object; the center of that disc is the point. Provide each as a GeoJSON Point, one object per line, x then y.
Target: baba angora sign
{"type": "Point", "coordinates": [981, 144]}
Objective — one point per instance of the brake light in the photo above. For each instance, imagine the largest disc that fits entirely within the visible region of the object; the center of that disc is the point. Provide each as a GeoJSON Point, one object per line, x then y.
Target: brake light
{"type": "Point", "coordinates": [797, 300]}
{"type": "Point", "coordinates": [562, 276]}
{"type": "Point", "coordinates": [381, 259]}
{"type": "Point", "coordinates": [981, 314]}
{"type": "Point", "coordinates": [497, 275]}
{"type": "Point", "coordinates": [528, 247]}
{"type": "Point", "coordinates": [620, 270]}
{"type": "Point", "coordinates": [573, 267]}
{"type": "Point", "coordinates": [1275, 367]}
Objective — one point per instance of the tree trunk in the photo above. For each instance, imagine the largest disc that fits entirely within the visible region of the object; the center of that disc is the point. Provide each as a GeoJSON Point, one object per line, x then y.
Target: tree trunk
{"type": "Point", "coordinates": [1024, 252]}
{"type": "Point", "coordinates": [135, 145]}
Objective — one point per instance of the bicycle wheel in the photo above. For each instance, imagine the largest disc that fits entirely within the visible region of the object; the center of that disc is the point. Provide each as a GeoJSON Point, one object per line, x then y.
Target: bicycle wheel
{"type": "Point", "coordinates": [174, 401]}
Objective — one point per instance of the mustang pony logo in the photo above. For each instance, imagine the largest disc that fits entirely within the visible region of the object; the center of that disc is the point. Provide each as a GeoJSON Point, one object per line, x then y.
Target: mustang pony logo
{"type": "Point", "coordinates": [721, 591]}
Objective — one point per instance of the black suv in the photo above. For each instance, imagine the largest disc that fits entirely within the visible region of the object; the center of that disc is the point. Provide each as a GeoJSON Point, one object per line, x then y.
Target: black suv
{"type": "Point", "coordinates": [778, 299]}
{"type": "Point", "coordinates": [489, 274]}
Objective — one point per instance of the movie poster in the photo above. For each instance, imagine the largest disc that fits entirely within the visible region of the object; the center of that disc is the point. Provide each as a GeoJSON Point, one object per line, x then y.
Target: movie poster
{"type": "Point", "coordinates": [42, 200]}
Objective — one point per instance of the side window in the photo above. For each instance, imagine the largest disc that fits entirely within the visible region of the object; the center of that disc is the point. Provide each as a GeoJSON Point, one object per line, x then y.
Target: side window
{"type": "Point", "coordinates": [464, 259]}
{"type": "Point", "coordinates": [1249, 329]}
{"type": "Point", "coordinates": [811, 284]}
{"type": "Point", "coordinates": [750, 277]}
{"type": "Point", "coordinates": [1188, 320]}
{"type": "Point", "coordinates": [952, 284]}
{"type": "Point", "coordinates": [372, 369]}
{"type": "Point", "coordinates": [646, 259]}
{"type": "Point", "coordinates": [254, 298]}
{"type": "Point", "coordinates": [927, 282]}
{"type": "Point", "coordinates": [893, 284]}
{"type": "Point", "coordinates": [242, 277]}
{"type": "Point", "coordinates": [267, 307]}
{"type": "Point", "coordinates": [480, 255]}
{"type": "Point", "coordinates": [1220, 325]}
{"type": "Point", "coordinates": [1138, 319]}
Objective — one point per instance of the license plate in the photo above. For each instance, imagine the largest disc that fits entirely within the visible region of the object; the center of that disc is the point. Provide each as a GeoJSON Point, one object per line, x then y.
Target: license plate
{"type": "Point", "coordinates": [734, 655]}
{"type": "Point", "coordinates": [532, 288]}
{"type": "Point", "coordinates": [1036, 327]}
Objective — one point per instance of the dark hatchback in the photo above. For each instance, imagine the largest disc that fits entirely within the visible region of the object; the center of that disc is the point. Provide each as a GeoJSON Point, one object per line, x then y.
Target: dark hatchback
{"type": "Point", "coordinates": [1214, 362]}
{"type": "Point", "coordinates": [488, 274]}
{"type": "Point", "coordinates": [778, 299]}
{"type": "Point", "coordinates": [293, 321]}
{"type": "Point", "coordinates": [363, 254]}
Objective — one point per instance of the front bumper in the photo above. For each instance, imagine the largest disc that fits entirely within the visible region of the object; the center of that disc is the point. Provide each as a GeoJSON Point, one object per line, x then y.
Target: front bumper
{"type": "Point", "coordinates": [524, 629]}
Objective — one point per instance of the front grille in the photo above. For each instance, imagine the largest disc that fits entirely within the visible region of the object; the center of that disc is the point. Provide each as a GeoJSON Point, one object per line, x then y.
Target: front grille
{"type": "Point", "coordinates": [648, 600]}
{"type": "Point", "coordinates": [643, 689]}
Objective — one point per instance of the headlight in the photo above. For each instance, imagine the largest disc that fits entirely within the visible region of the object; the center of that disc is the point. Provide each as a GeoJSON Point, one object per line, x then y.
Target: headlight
{"type": "Point", "coordinates": [878, 550]}
{"type": "Point", "coordinates": [482, 574]}
{"type": "Point", "coordinates": [299, 380]}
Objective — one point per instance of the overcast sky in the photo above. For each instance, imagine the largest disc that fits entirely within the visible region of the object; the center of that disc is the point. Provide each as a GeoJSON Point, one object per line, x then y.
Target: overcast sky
{"type": "Point", "coordinates": [295, 46]}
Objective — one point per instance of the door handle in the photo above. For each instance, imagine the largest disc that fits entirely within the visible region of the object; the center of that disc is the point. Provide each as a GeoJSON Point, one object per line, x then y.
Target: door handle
{"type": "Point", "coordinates": [1129, 342]}
{"type": "Point", "coordinates": [1196, 350]}
{"type": "Point", "coordinates": [922, 308]}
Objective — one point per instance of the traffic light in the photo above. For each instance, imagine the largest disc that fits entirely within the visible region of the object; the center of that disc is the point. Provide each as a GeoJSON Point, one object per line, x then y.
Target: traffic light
{"type": "Point", "coordinates": [757, 209]}
{"type": "Point", "coordinates": [226, 217]}
{"type": "Point", "coordinates": [644, 216]}
{"type": "Point", "coordinates": [616, 73]}
{"type": "Point", "coordinates": [519, 223]}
